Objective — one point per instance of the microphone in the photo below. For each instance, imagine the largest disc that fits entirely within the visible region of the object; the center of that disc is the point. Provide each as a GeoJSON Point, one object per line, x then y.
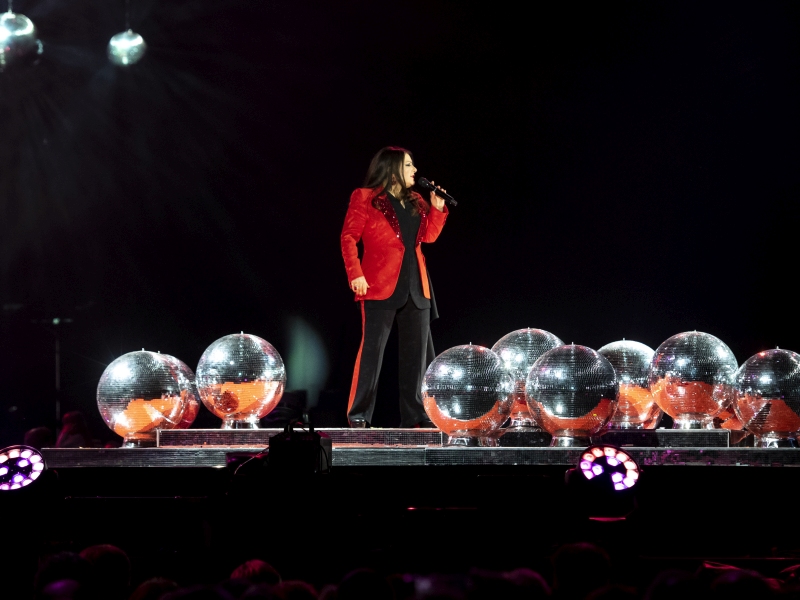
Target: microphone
{"type": "Point", "coordinates": [427, 185]}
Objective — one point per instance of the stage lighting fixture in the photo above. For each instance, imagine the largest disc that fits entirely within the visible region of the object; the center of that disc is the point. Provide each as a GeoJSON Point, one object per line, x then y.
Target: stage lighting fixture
{"type": "Point", "coordinates": [619, 470]}
{"type": "Point", "coordinates": [300, 451]}
{"type": "Point", "coordinates": [604, 482]}
{"type": "Point", "coordinates": [19, 467]}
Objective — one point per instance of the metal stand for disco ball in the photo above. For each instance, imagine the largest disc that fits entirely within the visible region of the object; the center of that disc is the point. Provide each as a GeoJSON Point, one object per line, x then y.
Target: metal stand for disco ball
{"type": "Point", "coordinates": [564, 440]}
{"type": "Point", "coordinates": [252, 422]}
{"type": "Point", "coordinates": [630, 426]}
{"type": "Point", "coordinates": [523, 424]}
{"type": "Point", "coordinates": [693, 421]}
{"type": "Point", "coordinates": [464, 439]}
{"type": "Point", "coordinates": [145, 441]}
{"type": "Point", "coordinates": [774, 441]}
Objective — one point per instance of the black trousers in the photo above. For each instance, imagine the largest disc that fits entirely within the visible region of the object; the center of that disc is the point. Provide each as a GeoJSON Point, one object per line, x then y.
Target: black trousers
{"type": "Point", "coordinates": [416, 351]}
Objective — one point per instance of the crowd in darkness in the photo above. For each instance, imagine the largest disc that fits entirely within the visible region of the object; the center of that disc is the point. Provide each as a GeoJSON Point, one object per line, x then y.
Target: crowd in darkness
{"type": "Point", "coordinates": [579, 571]}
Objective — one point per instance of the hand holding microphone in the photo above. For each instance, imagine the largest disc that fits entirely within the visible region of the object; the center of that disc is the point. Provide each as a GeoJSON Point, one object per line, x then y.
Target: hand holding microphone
{"type": "Point", "coordinates": [427, 185]}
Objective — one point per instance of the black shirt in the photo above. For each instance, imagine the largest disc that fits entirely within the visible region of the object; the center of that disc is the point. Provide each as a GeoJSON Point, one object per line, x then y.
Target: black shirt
{"type": "Point", "coordinates": [408, 283]}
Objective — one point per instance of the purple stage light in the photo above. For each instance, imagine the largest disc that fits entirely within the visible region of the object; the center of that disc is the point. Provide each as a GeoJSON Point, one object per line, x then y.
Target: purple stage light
{"type": "Point", "coordinates": [619, 468]}
{"type": "Point", "coordinates": [21, 466]}
{"type": "Point", "coordinates": [603, 484]}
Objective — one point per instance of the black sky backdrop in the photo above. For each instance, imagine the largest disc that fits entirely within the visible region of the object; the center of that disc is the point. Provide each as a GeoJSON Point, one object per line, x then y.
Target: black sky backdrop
{"type": "Point", "coordinates": [623, 170]}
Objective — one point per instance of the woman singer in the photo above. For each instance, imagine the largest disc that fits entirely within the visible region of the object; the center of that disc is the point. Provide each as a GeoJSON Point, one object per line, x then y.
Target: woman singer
{"type": "Point", "coordinates": [391, 281]}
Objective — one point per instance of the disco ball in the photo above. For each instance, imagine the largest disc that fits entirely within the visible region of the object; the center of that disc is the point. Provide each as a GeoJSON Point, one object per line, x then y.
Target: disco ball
{"type": "Point", "coordinates": [240, 378]}
{"type": "Point", "coordinates": [467, 394]}
{"type": "Point", "coordinates": [17, 39]}
{"type": "Point", "coordinates": [767, 396]}
{"type": "Point", "coordinates": [572, 393]}
{"type": "Point", "coordinates": [691, 378]}
{"type": "Point", "coordinates": [138, 393]}
{"type": "Point", "coordinates": [636, 408]}
{"type": "Point", "coordinates": [188, 392]}
{"type": "Point", "coordinates": [519, 350]}
{"type": "Point", "coordinates": [126, 48]}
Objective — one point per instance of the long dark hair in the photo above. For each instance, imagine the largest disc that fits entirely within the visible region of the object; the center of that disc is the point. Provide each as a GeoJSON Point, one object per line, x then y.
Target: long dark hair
{"type": "Point", "coordinates": [388, 162]}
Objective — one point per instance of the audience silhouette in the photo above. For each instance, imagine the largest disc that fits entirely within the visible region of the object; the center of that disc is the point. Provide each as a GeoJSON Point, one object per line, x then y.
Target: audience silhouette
{"type": "Point", "coordinates": [580, 571]}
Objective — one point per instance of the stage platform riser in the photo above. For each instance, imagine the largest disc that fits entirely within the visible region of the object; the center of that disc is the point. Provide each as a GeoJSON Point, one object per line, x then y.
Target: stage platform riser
{"type": "Point", "coordinates": [434, 456]}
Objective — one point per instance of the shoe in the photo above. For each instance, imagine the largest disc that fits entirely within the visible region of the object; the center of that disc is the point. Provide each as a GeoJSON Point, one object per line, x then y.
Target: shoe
{"type": "Point", "coordinates": [358, 424]}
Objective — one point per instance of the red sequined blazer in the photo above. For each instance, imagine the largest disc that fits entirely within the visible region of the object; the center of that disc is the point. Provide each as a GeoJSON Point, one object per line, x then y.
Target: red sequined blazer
{"type": "Point", "coordinates": [379, 231]}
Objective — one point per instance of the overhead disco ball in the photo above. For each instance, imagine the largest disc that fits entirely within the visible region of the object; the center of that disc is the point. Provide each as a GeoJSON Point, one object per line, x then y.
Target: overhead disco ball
{"type": "Point", "coordinates": [126, 48]}
{"type": "Point", "coordinates": [519, 350]}
{"type": "Point", "coordinates": [767, 397]}
{"type": "Point", "coordinates": [636, 408]}
{"type": "Point", "coordinates": [240, 378]}
{"type": "Point", "coordinates": [18, 41]}
{"type": "Point", "coordinates": [691, 378]}
{"type": "Point", "coordinates": [572, 393]}
{"type": "Point", "coordinates": [466, 392]}
{"type": "Point", "coordinates": [188, 392]}
{"type": "Point", "coordinates": [138, 393]}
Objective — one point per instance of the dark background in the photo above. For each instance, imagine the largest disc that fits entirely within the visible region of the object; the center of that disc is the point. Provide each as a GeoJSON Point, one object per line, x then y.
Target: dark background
{"type": "Point", "coordinates": [623, 170]}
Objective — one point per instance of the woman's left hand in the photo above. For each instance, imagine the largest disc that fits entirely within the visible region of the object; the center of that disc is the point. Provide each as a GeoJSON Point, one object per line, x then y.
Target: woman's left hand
{"type": "Point", "coordinates": [437, 201]}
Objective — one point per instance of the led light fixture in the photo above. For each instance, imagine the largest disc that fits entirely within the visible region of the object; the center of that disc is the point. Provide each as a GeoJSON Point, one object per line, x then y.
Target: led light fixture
{"type": "Point", "coordinates": [615, 466]}
{"type": "Point", "coordinates": [20, 466]}
{"type": "Point", "coordinates": [604, 483]}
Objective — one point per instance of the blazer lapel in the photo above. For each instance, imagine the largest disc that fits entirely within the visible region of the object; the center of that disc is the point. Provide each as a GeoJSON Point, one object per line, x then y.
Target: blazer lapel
{"type": "Point", "coordinates": [385, 206]}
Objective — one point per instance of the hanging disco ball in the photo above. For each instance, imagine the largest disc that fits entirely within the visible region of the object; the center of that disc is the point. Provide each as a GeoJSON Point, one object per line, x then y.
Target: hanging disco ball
{"type": "Point", "coordinates": [691, 378]}
{"type": "Point", "coordinates": [466, 392]}
{"type": "Point", "coordinates": [636, 408]}
{"type": "Point", "coordinates": [519, 350]}
{"type": "Point", "coordinates": [188, 392]}
{"type": "Point", "coordinates": [138, 393]}
{"type": "Point", "coordinates": [240, 378]}
{"type": "Point", "coordinates": [572, 393]}
{"type": "Point", "coordinates": [18, 40]}
{"type": "Point", "coordinates": [767, 397]}
{"type": "Point", "coordinates": [126, 48]}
